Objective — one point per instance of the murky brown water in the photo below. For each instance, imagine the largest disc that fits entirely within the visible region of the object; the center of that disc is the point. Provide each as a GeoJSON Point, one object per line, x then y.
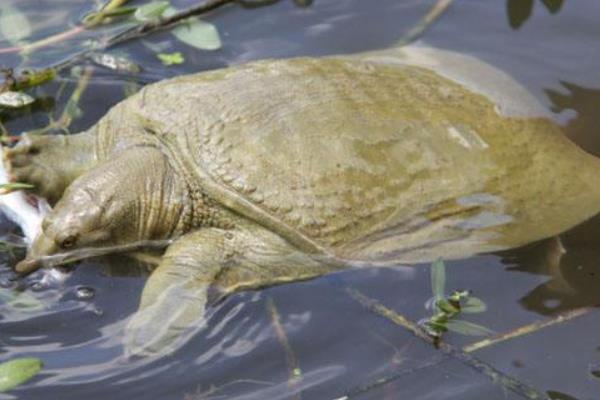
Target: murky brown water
{"type": "Point", "coordinates": [339, 346]}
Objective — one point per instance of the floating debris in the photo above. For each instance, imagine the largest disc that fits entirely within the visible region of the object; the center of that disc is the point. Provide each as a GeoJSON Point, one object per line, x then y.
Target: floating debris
{"type": "Point", "coordinates": [171, 58]}
{"type": "Point", "coordinates": [18, 371]}
{"type": "Point", "coordinates": [115, 63]}
{"type": "Point", "coordinates": [12, 99]}
{"type": "Point", "coordinates": [85, 293]}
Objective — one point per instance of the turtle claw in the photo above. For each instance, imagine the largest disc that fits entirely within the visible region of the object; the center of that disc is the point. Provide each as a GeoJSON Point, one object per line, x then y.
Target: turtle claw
{"type": "Point", "coordinates": [39, 161]}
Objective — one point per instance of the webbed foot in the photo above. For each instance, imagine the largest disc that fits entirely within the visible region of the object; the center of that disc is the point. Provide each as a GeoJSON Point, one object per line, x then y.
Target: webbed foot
{"type": "Point", "coordinates": [50, 162]}
{"type": "Point", "coordinates": [197, 265]}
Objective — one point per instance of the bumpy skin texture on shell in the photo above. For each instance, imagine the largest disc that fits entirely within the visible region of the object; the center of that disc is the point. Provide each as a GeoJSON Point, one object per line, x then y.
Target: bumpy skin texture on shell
{"type": "Point", "coordinates": [364, 160]}
{"type": "Point", "coordinates": [284, 170]}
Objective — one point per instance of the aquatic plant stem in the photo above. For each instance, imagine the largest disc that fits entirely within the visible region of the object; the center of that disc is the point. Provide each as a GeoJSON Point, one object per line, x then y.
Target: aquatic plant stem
{"type": "Point", "coordinates": [494, 375]}
{"type": "Point", "coordinates": [62, 36]}
{"type": "Point", "coordinates": [438, 9]}
{"type": "Point", "coordinates": [129, 34]}
{"type": "Point", "coordinates": [66, 118]}
{"type": "Point", "coordinates": [59, 37]}
{"type": "Point", "coordinates": [527, 329]}
{"type": "Point", "coordinates": [291, 359]}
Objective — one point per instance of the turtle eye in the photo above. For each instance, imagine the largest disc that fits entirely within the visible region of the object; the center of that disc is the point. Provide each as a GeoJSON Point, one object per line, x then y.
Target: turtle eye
{"type": "Point", "coordinates": [68, 242]}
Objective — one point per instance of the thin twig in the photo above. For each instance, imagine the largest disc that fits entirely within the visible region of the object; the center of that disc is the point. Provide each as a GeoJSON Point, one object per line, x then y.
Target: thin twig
{"type": "Point", "coordinates": [291, 359]}
{"type": "Point", "coordinates": [97, 18]}
{"type": "Point", "coordinates": [527, 329]}
{"type": "Point", "coordinates": [59, 37]}
{"type": "Point", "coordinates": [494, 375]}
{"type": "Point", "coordinates": [3, 133]}
{"type": "Point", "coordinates": [438, 9]}
{"type": "Point", "coordinates": [66, 118]}
{"type": "Point", "coordinates": [391, 378]}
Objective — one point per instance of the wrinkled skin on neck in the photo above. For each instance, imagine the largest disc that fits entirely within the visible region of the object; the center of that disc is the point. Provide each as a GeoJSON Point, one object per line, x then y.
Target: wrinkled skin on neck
{"type": "Point", "coordinates": [132, 198]}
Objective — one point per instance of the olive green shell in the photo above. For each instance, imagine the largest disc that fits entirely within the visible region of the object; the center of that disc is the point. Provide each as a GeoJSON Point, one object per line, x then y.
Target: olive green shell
{"type": "Point", "coordinates": [365, 158]}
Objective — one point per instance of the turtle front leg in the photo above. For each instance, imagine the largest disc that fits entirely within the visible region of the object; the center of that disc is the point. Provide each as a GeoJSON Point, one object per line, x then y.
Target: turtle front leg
{"type": "Point", "coordinates": [201, 267]}
{"type": "Point", "coordinates": [51, 162]}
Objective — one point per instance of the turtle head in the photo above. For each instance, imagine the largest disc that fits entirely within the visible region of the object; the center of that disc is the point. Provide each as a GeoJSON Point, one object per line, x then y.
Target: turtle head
{"type": "Point", "coordinates": [117, 206]}
{"type": "Point", "coordinates": [78, 221]}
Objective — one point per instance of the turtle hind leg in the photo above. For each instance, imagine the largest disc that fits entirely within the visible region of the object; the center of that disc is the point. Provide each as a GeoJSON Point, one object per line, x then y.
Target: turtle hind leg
{"type": "Point", "coordinates": [197, 266]}
{"type": "Point", "coordinates": [51, 162]}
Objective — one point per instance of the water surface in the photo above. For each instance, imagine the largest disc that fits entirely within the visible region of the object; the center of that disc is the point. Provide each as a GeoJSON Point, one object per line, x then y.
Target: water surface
{"type": "Point", "coordinates": [338, 346]}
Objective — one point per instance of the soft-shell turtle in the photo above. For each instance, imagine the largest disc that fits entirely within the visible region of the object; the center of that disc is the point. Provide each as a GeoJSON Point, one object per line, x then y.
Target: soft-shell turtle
{"type": "Point", "coordinates": [281, 170]}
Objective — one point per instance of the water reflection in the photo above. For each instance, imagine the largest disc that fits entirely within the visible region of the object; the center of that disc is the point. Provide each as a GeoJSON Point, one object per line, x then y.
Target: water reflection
{"type": "Point", "coordinates": [583, 102]}
{"type": "Point", "coordinates": [570, 260]}
{"type": "Point", "coordinates": [571, 264]}
{"type": "Point", "coordinates": [519, 11]}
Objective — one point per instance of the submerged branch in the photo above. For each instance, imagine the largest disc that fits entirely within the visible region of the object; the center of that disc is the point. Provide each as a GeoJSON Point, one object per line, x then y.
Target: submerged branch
{"type": "Point", "coordinates": [527, 329]}
{"type": "Point", "coordinates": [497, 377]}
{"type": "Point", "coordinates": [294, 371]}
{"type": "Point", "coordinates": [438, 9]}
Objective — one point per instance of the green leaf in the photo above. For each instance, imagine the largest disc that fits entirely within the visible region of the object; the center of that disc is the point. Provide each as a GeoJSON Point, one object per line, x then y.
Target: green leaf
{"type": "Point", "coordinates": [30, 78]}
{"type": "Point", "coordinates": [439, 318]}
{"type": "Point", "coordinates": [120, 11]}
{"type": "Point", "coordinates": [447, 308]}
{"type": "Point", "coordinates": [458, 295]}
{"type": "Point", "coordinates": [171, 58]}
{"type": "Point", "coordinates": [435, 329]}
{"type": "Point", "coordinates": [151, 11]}
{"type": "Point", "coordinates": [15, 186]}
{"type": "Point", "coordinates": [438, 279]}
{"type": "Point", "coordinates": [473, 305]}
{"type": "Point", "coordinates": [12, 99]}
{"type": "Point", "coordinates": [467, 328]}
{"type": "Point", "coordinates": [18, 371]}
{"type": "Point", "coordinates": [196, 32]}
{"type": "Point", "coordinates": [519, 11]}
{"type": "Point", "coordinates": [303, 3]}
{"type": "Point", "coordinates": [553, 6]}
{"type": "Point", "coordinates": [14, 25]}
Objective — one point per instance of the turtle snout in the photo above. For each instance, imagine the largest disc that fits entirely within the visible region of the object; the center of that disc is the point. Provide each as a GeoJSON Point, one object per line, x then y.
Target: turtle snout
{"type": "Point", "coordinates": [42, 246]}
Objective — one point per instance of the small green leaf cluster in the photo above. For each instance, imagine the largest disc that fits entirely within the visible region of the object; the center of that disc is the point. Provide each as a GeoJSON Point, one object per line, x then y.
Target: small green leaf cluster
{"type": "Point", "coordinates": [446, 309]}
{"type": "Point", "coordinates": [193, 32]}
{"type": "Point", "coordinates": [171, 58]}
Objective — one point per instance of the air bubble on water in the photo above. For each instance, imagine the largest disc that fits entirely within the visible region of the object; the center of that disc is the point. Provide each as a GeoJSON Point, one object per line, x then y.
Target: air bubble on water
{"type": "Point", "coordinates": [38, 286]}
{"type": "Point", "coordinates": [98, 311]}
{"type": "Point", "coordinates": [85, 293]}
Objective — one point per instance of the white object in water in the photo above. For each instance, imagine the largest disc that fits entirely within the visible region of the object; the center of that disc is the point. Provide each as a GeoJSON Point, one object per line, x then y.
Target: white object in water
{"type": "Point", "coordinates": [27, 211]}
